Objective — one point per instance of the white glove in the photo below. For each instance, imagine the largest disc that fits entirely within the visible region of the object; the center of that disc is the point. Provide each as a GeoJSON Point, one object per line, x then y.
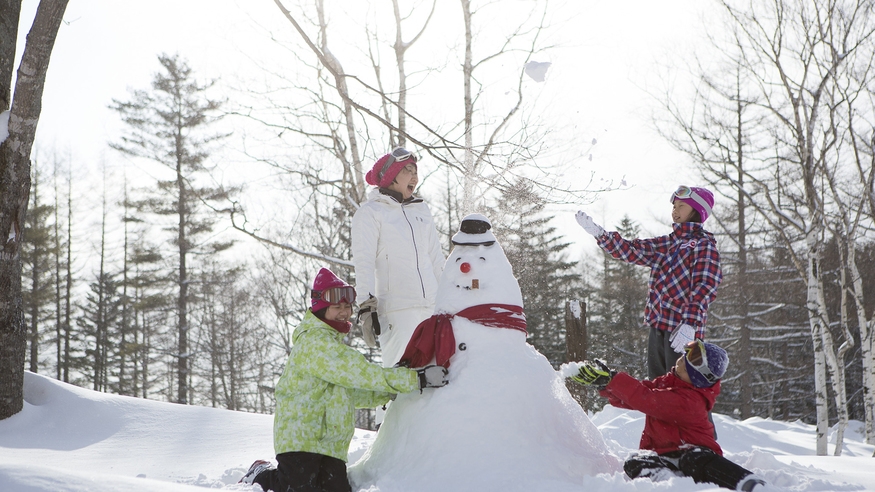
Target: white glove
{"type": "Point", "coordinates": [432, 376]}
{"type": "Point", "coordinates": [681, 336]}
{"type": "Point", "coordinates": [588, 224]}
{"type": "Point", "coordinates": [367, 318]}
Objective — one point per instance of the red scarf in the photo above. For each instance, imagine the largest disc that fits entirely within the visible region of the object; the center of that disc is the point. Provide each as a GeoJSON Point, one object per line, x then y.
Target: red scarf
{"type": "Point", "coordinates": [341, 326]}
{"type": "Point", "coordinates": [434, 337]}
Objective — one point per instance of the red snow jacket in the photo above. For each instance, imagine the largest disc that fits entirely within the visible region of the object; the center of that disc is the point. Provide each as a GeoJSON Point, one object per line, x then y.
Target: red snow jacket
{"type": "Point", "coordinates": [677, 412]}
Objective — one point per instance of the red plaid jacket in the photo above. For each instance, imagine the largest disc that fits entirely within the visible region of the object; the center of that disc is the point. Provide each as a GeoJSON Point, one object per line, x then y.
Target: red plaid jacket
{"type": "Point", "coordinates": [684, 273]}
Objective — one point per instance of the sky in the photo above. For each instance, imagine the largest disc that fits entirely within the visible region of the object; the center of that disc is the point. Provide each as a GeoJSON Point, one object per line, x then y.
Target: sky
{"type": "Point", "coordinates": [607, 56]}
{"type": "Point", "coordinates": [70, 439]}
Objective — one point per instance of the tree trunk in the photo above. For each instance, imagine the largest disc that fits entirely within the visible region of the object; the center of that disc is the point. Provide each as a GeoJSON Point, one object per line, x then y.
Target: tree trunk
{"type": "Point", "coordinates": [35, 287]}
{"type": "Point", "coordinates": [816, 322]}
{"type": "Point", "coordinates": [182, 300]}
{"type": "Point", "coordinates": [10, 11]}
{"type": "Point", "coordinates": [15, 185]}
{"type": "Point", "coordinates": [68, 287]}
{"type": "Point", "coordinates": [576, 343]}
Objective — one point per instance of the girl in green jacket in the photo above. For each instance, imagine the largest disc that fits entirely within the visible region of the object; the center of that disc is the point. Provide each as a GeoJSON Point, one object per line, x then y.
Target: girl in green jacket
{"type": "Point", "coordinates": [324, 381]}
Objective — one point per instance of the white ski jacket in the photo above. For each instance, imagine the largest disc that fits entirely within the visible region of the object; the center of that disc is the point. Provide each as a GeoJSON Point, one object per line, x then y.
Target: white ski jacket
{"type": "Point", "coordinates": [396, 252]}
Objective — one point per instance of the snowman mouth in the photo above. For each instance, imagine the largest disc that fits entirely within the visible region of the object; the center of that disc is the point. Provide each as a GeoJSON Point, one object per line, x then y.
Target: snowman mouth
{"type": "Point", "coordinates": [475, 284]}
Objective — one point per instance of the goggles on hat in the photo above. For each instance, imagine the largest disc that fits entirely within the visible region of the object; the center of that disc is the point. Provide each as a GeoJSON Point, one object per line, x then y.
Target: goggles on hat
{"type": "Point", "coordinates": [399, 154]}
{"type": "Point", "coordinates": [698, 359]}
{"type": "Point", "coordinates": [335, 295]}
{"type": "Point", "coordinates": [685, 192]}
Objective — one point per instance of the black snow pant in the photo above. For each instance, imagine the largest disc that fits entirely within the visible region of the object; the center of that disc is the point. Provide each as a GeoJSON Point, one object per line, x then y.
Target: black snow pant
{"type": "Point", "coordinates": [660, 356]}
{"type": "Point", "coordinates": [305, 472]}
{"type": "Point", "coordinates": [702, 464]}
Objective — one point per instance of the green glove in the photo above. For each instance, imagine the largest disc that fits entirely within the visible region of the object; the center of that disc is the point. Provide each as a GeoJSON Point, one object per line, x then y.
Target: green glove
{"type": "Point", "coordinates": [594, 373]}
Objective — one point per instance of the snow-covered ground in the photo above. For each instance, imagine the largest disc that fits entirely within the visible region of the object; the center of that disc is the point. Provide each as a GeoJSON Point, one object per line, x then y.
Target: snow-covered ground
{"type": "Point", "coordinates": [72, 439]}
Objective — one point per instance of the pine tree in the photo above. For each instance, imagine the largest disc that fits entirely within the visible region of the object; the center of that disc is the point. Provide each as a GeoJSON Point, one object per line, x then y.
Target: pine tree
{"type": "Point", "coordinates": [537, 256]}
{"type": "Point", "coordinates": [63, 234]}
{"type": "Point", "coordinates": [99, 329]}
{"type": "Point", "coordinates": [37, 250]}
{"type": "Point", "coordinates": [616, 311]}
{"type": "Point", "coordinates": [149, 314]}
{"type": "Point", "coordinates": [167, 125]}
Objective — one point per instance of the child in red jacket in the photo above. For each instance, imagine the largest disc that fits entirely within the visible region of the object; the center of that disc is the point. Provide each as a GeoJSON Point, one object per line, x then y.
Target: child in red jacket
{"type": "Point", "coordinates": [678, 435]}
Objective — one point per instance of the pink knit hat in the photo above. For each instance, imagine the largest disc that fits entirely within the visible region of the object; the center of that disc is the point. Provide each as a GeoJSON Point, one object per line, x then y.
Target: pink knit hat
{"type": "Point", "coordinates": [328, 289]}
{"type": "Point", "coordinates": [699, 198]}
{"type": "Point", "coordinates": [388, 166]}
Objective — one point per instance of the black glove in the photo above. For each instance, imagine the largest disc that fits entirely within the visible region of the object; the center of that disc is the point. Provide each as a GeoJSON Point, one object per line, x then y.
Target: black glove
{"type": "Point", "coordinates": [370, 323]}
{"type": "Point", "coordinates": [432, 376]}
{"type": "Point", "coordinates": [594, 373]}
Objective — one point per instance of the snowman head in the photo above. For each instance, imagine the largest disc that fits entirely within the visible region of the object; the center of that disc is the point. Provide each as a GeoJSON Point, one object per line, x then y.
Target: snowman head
{"type": "Point", "coordinates": [477, 270]}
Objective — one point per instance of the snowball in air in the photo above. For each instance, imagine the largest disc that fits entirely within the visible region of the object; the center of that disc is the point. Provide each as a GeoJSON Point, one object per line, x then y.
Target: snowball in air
{"type": "Point", "coordinates": [537, 70]}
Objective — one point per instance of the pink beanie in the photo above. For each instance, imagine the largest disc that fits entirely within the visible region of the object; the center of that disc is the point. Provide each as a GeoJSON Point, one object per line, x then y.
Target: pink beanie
{"type": "Point", "coordinates": [377, 176]}
{"type": "Point", "coordinates": [326, 279]}
{"type": "Point", "coordinates": [705, 196]}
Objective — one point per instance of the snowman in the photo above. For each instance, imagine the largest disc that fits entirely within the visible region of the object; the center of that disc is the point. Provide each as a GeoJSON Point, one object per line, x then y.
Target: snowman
{"type": "Point", "coordinates": [505, 422]}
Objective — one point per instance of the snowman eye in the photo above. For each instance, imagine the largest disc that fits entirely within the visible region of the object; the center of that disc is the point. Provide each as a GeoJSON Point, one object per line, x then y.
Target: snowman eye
{"type": "Point", "coordinates": [458, 259]}
{"type": "Point", "coordinates": [482, 258]}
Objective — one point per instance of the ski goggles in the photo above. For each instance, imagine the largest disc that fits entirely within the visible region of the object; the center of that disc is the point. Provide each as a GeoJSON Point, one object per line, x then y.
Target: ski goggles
{"type": "Point", "coordinates": [687, 193]}
{"type": "Point", "coordinates": [399, 154]}
{"type": "Point", "coordinates": [698, 358]}
{"type": "Point", "coordinates": [334, 295]}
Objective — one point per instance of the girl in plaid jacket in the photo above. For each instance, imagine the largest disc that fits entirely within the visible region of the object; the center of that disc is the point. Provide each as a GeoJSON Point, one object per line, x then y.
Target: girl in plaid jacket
{"type": "Point", "coordinates": [684, 274]}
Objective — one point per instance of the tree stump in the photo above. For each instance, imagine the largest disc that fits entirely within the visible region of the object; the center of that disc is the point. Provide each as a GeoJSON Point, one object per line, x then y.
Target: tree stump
{"type": "Point", "coordinates": [575, 343]}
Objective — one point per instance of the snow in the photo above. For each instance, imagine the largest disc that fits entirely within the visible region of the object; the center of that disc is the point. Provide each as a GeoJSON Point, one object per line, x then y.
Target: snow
{"type": "Point", "coordinates": [570, 368]}
{"type": "Point", "coordinates": [505, 422]}
{"type": "Point", "coordinates": [4, 125]}
{"type": "Point", "coordinates": [69, 439]}
{"type": "Point", "coordinates": [537, 70]}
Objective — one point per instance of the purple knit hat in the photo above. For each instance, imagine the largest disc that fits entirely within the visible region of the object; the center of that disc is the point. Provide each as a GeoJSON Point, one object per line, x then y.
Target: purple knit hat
{"type": "Point", "coordinates": [388, 166]}
{"type": "Point", "coordinates": [326, 279]}
{"type": "Point", "coordinates": [701, 199]}
{"type": "Point", "coordinates": [717, 361]}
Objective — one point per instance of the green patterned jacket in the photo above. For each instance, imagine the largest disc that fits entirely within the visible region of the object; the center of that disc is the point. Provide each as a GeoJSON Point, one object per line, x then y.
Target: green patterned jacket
{"type": "Point", "coordinates": [323, 383]}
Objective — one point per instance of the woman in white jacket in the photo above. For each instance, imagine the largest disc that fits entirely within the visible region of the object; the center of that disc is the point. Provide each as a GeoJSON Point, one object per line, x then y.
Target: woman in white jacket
{"type": "Point", "coordinates": [397, 255]}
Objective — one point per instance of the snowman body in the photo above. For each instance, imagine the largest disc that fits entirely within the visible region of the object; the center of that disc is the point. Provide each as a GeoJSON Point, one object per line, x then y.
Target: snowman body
{"type": "Point", "coordinates": [505, 421]}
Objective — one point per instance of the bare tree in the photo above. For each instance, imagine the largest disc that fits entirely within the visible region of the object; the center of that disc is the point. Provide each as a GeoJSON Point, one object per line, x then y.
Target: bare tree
{"type": "Point", "coordinates": [345, 113]}
{"type": "Point", "coordinates": [24, 109]}
{"type": "Point", "coordinates": [853, 211]}
{"type": "Point", "coordinates": [164, 126]}
{"type": "Point", "coordinates": [785, 154]}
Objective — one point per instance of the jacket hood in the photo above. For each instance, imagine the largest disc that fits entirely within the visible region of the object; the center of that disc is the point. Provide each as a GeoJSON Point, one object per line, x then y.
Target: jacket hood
{"type": "Point", "coordinates": [710, 393]}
